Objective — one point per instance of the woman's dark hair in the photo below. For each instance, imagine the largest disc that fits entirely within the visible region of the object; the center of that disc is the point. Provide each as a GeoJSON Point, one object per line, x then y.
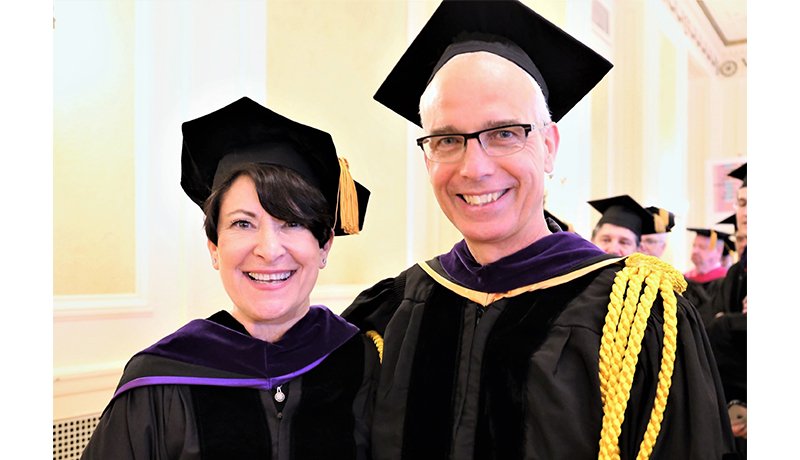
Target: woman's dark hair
{"type": "Point", "coordinates": [283, 193]}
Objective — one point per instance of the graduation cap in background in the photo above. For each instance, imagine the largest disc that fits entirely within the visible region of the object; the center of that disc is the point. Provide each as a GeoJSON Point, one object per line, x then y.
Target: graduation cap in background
{"type": "Point", "coordinates": [740, 173]}
{"type": "Point", "coordinates": [566, 226]}
{"type": "Point", "coordinates": [624, 211]}
{"type": "Point", "coordinates": [247, 132]}
{"type": "Point", "coordinates": [730, 220]}
{"type": "Point", "coordinates": [564, 68]}
{"type": "Point", "coordinates": [667, 218]}
{"type": "Point", "coordinates": [728, 245]}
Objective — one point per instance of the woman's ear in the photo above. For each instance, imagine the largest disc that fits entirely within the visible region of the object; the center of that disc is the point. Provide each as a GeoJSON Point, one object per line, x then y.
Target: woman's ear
{"type": "Point", "coordinates": [324, 250]}
{"type": "Point", "coordinates": [212, 249]}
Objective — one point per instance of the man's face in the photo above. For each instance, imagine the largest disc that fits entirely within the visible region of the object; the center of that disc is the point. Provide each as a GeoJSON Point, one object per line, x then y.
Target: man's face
{"type": "Point", "coordinates": [704, 258]}
{"type": "Point", "coordinates": [495, 202]}
{"type": "Point", "coordinates": [653, 244]}
{"type": "Point", "coordinates": [741, 241]}
{"type": "Point", "coordinates": [616, 240]}
{"type": "Point", "coordinates": [741, 209]}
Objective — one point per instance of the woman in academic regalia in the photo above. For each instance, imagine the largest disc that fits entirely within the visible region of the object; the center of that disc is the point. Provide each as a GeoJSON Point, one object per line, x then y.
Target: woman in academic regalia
{"type": "Point", "coordinates": [276, 377]}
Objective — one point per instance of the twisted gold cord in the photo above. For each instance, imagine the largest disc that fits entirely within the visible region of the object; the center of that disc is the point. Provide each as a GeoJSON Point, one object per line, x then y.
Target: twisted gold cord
{"type": "Point", "coordinates": [378, 343]}
{"type": "Point", "coordinates": [621, 343]}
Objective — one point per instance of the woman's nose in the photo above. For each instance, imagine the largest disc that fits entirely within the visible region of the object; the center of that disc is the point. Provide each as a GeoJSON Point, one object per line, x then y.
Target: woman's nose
{"type": "Point", "coordinates": [269, 244]}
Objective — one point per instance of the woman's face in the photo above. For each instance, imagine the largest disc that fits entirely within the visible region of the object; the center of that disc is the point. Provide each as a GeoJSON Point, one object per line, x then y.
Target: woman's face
{"type": "Point", "coordinates": [268, 267]}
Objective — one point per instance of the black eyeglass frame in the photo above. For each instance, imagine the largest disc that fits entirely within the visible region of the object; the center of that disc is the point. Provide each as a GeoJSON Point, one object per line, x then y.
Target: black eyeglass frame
{"type": "Point", "coordinates": [528, 127]}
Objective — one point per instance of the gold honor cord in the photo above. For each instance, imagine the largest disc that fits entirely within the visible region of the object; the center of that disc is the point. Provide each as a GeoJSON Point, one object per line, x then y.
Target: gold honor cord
{"type": "Point", "coordinates": [487, 298]}
{"type": "Point", "coordinates": [378, 343]}
{"type": "Point", "coordinates": [621, 343]}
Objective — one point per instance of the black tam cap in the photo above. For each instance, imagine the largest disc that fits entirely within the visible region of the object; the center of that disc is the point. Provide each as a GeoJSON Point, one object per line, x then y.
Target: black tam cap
{"type": "Point", "coordinates": [624, 211]}
{"type": "Point", "coordinates": [665, 218]}
{"type": "Point", "coordinates": [564, 68]}
{"type": "Point", "coordinates": [247, 132]}
{"type": "Point", "coordinates": [714, 236]}
{"type": "Point", "coordinates": [740, 173]}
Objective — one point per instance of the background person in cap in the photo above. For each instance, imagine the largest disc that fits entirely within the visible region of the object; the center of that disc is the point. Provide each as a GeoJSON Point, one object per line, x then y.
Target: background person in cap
{"type": "Point", "coordinates": [708, 249]}
{"type": "Point", "coordinates": [730, 294]}
{"type": "Point", "coordinates": [740, 235]}
{"type": "Point", "coordinates": [654, 244]}
{"type": "Point", "coordinates": [740, 205]}
{"type": "Point", "coordinates": [493, 350]}
{"type": "Point", "coordinates": [275, 377]}
{"type": "Point", "coordinates": [727, 332]}
{"type": "Point", "coordinates": [622, 223]}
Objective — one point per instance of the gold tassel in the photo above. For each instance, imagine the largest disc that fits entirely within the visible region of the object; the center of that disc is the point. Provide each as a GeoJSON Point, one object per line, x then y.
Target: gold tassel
{"type": "Point", "coordinates": [661, 220]}
{"type": "Point", "coordinates": [348, 199]}
{"type": "Point", "coordinates": [712, 242]}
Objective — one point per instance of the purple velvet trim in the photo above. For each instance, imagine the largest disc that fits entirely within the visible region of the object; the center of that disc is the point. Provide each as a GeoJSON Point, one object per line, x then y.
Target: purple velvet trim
{"type": "Point", "coordinates": [259, 384]}
{"type": "Point", "coordinates": [205, 343]}
{"type": "Point", "coordinates": [553, 255]}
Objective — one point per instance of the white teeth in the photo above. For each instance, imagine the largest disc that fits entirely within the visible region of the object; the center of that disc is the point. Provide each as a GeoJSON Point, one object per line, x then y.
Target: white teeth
{"type": "Point", "coordinates": [269, 276]}
{"type": "Point", "coordinates": [478, 200]}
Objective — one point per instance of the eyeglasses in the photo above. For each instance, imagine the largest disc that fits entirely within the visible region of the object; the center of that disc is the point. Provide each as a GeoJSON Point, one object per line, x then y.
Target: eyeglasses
{"type": "Point", "coordinates": [496, 142]}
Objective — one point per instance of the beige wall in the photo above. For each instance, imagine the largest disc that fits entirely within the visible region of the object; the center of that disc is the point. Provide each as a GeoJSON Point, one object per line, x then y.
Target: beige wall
{"type": "Point", "coordinates": [93, 102]}
{"type": "Point", "coordinates": [131, 266]}
{"type": "Point", "coordinates": [323, 68]}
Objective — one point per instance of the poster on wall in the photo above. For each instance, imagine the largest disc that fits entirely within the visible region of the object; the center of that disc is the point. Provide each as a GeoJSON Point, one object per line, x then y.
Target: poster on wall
{"type": "Point", "coordinates": [723, 187]}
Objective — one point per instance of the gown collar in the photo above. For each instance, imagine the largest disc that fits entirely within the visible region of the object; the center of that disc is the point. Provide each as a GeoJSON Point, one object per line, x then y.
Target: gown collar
{"type": "Point", "coordinates": [554, 255]}
{"type": "Point", "coordinates": [221, 344]}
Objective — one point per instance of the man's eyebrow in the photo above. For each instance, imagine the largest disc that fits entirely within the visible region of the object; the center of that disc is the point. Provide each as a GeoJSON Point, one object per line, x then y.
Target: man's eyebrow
{"type": "Point", "coordinates": [450, 129]}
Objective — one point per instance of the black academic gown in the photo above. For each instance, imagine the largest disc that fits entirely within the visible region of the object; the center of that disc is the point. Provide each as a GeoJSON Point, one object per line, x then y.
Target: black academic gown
{"type": "Point", "coordinates": [728, 330]}
{"type": "Point", "coordinates": [519, 378]}
{"type": "Point", "coordinates": [326, 412]}
{"type": "Point", "coordinates": [699, 295]}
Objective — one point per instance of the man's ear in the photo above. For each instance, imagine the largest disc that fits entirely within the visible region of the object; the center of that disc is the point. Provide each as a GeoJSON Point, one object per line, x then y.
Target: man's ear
{"type": "Point", "coordinates": [551, 140]}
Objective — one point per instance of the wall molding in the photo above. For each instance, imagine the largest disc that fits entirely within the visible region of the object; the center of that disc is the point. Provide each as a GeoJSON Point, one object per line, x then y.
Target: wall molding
{"type": "Point", "coordinates": [83, 390]}
{"type": "Point", "coordinates": [85, 307]}
{"type": "Point", "coordinates": [337, 297]}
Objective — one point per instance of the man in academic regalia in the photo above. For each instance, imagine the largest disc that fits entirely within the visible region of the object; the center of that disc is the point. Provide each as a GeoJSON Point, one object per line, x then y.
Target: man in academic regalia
{"type": "Point", "coordinates": [654, 244]}
{"type": "Point", "coordinates": [622, 223]}
{"type": "Point", "coordinates": [709, 248]}
{"type": "Point", "coordinates": [514, 345]}
{"type": "Point", "coordinates": [728, 330]}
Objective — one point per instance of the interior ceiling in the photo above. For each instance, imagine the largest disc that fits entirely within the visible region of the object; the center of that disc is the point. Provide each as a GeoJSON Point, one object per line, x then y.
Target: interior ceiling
{"type": "Point", "coordinates": [728, 18]}
{"type": "Point", "coordinates": [719, 28]}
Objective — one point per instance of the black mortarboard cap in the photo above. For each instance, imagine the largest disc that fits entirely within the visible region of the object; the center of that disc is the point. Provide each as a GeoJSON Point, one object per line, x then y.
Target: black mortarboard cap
{"type": "Point", "coordinates": [566, 226]}
{"type": "Point", "coordinates": [247, 132]}
{"type": "Point", "coordinates": [624, 211]}
{"type": "Point", "coordinates": [730, 220]}
{"type": "Point", "coordinates": [565, 68]}
{"type": "Point", "coordinates": [715, 235]}
{"type": "Point", "coordinates": [740, 173]}
{"type": "Point", "coordinates": [666, 218]}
